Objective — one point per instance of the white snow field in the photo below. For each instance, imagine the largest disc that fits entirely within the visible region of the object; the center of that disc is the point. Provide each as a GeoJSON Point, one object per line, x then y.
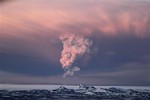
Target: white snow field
{"type": "Point", "coordinates": [51, 87]}
{"type": "Point", "coordinates": [73, 92]}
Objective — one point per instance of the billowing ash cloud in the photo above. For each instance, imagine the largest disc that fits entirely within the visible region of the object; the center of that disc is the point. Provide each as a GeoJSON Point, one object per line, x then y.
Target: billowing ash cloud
{"type": "Point", "coordinates": [74, 47]}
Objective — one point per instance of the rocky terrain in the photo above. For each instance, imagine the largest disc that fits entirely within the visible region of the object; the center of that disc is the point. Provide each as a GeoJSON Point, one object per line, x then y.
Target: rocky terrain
{"type": "Point", "coordinates": [81, 93]}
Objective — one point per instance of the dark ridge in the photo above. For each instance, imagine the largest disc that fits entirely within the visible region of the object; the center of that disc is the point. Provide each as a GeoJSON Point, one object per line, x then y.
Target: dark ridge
{"type": "Point", "coordinates": [82, 93]}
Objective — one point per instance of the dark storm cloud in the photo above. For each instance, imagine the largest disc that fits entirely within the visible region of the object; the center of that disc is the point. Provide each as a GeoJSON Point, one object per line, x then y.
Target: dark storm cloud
{"type": "Point", "coordinates": [30, 47]}
{"type": "Point", "coordinates": [124, 76]}
{"type": "Point", "coordinates": [128, 74]}
{"type": "Point", "coordinates": [22, 64]}
{"type": "Point", "coordinates": [118, 61]}
{"type": "Point", "coordinates": [116, 51]}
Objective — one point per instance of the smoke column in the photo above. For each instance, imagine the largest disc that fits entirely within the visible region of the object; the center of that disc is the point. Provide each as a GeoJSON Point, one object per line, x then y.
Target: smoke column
{"type": "Point", "coordinates": [74, 47]}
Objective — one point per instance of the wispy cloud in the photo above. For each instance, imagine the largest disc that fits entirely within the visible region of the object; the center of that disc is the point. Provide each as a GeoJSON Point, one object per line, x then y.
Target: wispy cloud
{"type": "Point", "coordinates": [119, 30]}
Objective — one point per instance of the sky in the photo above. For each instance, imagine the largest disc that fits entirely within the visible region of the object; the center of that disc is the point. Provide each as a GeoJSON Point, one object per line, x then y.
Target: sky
{"type": "Point", "coordinates": [98, 42]}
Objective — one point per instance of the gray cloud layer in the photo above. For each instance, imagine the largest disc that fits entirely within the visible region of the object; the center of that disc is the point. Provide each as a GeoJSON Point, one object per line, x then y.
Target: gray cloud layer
{"type": "Point", "coordinates": [30, 48]}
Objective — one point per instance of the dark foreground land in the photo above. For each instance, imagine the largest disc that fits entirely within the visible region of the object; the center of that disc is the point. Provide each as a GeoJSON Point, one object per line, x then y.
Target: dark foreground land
{"type": "Point", "coordinates": [82, 93]}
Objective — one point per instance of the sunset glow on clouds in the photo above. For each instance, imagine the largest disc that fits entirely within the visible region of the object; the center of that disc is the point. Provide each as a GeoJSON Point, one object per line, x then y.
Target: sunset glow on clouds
{"type": "Point", "coordinates": [32, 28]}
{"type": "Point", "coordinates": [62, 17]}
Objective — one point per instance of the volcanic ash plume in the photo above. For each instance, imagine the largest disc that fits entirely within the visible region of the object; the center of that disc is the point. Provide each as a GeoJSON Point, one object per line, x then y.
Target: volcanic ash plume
{"type": "Point", "coordinates": [74, 47]}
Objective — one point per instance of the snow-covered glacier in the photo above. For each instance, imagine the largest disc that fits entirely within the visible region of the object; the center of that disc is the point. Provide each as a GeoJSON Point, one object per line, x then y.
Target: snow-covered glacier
{"type": "Point", "coordinates": [81, 92]}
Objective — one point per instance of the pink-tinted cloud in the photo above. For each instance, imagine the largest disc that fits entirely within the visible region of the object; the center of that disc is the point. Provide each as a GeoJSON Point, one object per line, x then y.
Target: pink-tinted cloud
{"type": "Point", "coordinates": [105, 17]}
{"type": "Point", "coordinates": [30, 22]}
